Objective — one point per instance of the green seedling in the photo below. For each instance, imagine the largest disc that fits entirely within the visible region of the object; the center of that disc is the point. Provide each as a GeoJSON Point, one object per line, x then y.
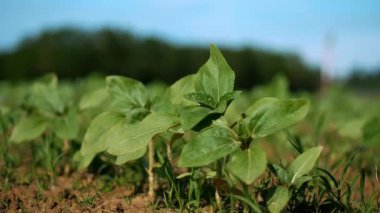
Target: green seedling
{"type": "Point", "coordinates": [48, 117]}
{"type": "Point", "coordinates": [194, 108]}
{"type": "Point", "coordinates": [200, 144]}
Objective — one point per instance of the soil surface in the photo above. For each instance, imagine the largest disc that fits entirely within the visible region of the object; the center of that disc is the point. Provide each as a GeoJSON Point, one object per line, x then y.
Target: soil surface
{"type": "Point", "coordinates": [66, 196]}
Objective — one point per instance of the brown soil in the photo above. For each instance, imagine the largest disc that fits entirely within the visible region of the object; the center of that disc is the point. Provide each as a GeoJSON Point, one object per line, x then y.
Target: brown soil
{"type": "Point", "coordinates": [66, 196]}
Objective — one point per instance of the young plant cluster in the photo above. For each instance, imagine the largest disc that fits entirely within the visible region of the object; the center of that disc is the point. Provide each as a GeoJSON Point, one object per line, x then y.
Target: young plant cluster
{"type": "Point", "coordinates": [47, 117]}
{"type": "Point", "coordinates": [214, 149]}
{"type": "Point", "coordinates": [202, 144]}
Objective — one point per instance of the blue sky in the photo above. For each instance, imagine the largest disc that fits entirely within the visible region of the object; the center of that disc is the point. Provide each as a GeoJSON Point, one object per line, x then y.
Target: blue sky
{"type": "Point", "coordinates": [298, 26]}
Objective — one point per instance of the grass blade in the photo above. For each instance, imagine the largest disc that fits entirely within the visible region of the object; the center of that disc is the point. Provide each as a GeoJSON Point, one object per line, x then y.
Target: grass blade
{"type": "Point", "coordinates": [247, 201]}
{"type": "Point", "coordinates": [362, 185]}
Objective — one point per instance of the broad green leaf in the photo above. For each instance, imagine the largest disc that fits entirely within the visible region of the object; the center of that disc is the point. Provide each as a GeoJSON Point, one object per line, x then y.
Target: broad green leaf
{"type": "Point", "coordinates": [4, 110]}
{"type": "Point", "coordinates": [100, 132]}
{"type": "Point", "coordinates": [221, 121]}
{"type": "Point", "coordinates": [237, 107]}
{"type": "Point", "coordinates": [242, 129]}
{"type": "Point", "coordinates": [371, 132]}
{"type": "Point", "coordinates": [66, 93]}
{"type": "Point", "coordinates": [45, 97]}
{"type": "Point", "coordinates": [136, 114]}
{"type": "Point", "coordinates": [277, 198]}
{"type": "Point", "coordinates": [215, 77]}
{"type": "Point", "coordinates": [136, 136]}
{"type": "Point", "coordinates": [304, 163]}
{"type": "Point", "coordinates": [126, 93]}
{"type": "Point", "coordinates": [301, 180]}
{"type": "Point", "coordinates": [190, 116]}
{"type": "Point", "coordinates": [280, 173]}
{"type": "Point", "coordinates": [133, 155]}
{"type": "Point", "coordinates": [28, 128]}
{"type": "Point", "coordinates": [202, 99]}
{"type": "Point", "coordinates": [228, 97]}
{"type": "Point", "coordinates": [210, 145]}
{"type": "Point", "coordinates": [156, 90]}
{"type": "Point", "coordinates": [352, 128]}
{"type": "Point", "coordinates": [278, 87]}
{"type": "Point", "coordinates": [50, 79]}
{"type": "Point", "coordinates": [225, 101]}
{"type": "Point", "coordinates": [183, 86]}
{"type": "Point", "coordinates": [66, 127]}
{"type": "Point", "coordinates": [82, 161]}
{"type": "Point", "coordinates": [260, 105]}
{"type": "Point", "coordinates": [93, 99]}
{"type": "Point", "coordinates": [163, 105]}
{"type": "Point", "coordinates": [248, 164]}
{"type": "Point", "coordinates": [269, 115]}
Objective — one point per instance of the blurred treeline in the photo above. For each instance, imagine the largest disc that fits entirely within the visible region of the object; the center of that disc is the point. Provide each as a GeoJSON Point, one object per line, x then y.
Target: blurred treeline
{"type": "Point", "coordinates": [364, 79]}
{"type": "Point", "coordinates": [73, 53]}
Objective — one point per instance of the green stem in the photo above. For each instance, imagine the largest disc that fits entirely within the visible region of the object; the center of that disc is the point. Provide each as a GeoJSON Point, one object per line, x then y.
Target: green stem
{"type": "Point", "coordinates": [5, 151]}
{"type": "Point", "coordinates": [219, 172]}
{"type": "Point", "coordinates": [151, 192]}
{"type": "Point", "coordinates": [49, 159]}
{"type": "Point", "coordinates": [169, 153]}
{"type": "Point", "coordinates": [218, 200]}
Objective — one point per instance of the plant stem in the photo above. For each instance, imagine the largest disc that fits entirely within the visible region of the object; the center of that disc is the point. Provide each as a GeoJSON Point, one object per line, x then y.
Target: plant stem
{"type": "Point", "coordinates": [49, 160]}
{"type": "Point", "coordinates": [6, 158]}
{"type": "Point", "coordinates": [218, 200]}
{"type": "Point", "coordinates": [66, 149]}
{"type": "Point", "coordinates": [219, 167]}
{"type": "Point", "coordinates": [5, 152]}
{"type": "Point", "coordinates": [169, 152]}
{"type": "Point", "coordinates": [151, 193]}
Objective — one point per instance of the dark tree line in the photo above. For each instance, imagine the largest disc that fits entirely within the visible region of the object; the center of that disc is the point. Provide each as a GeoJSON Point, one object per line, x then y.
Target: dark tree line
{"type": "Point", "coordinates": [73, 53]}
{"type": "Point", "coordinates": [364, 79]}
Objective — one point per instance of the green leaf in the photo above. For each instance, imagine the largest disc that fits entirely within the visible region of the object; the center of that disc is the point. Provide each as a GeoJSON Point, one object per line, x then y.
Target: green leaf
{"type": "Point", "coordinates": [101, 131]}
{"type": "Point", "coordinates": [29, 128]}
{"type": "Point", "coordinates": [254, 206]}
{"type": "Point", "coordinates": [248, 164]}
{"type": "Point", "coordinates": [45, 97]}
{"type": "Point", "coordinates": [210, 145]}
{"type": "Point", "coordinates": [164, 105]}
{"type": "Point", "coordinates": [230, 96]}
{"type": "Point", "coordinates": [371, 132]}
{"type": "Point", "coordinates": [242, 129]}
{"type": "Point", "coordinates": [136, 114]}
{"type": "Point", "coordinates": [50, 79]}
{"type": "Point", "coordinates": [225, 101]}
{"type": "Point", "coordinates": [269, 115]}
{"type": "Point", "coordinates": [136, 136]}
{"type": "Point", "coordinates": [260, 104]}
{"type": "Point", "coordinates": [132, 155]}
{"type": "Point", "coordinates": [190, 116]}
{"type": "Point", "coordinates": [93, 99]}
{"type": "Point", "coordinates": [126, 93]}
{"type": "Point", "coordinates": [237, 107]}
{"type": "Point", "coordinates": [156, 90]}
{"type": "Point", "coordinates": [66, 127]}
{"type": "Point", "coordinates": [304, 163]}
{"type": "Point", "coordinates": [215, 78]}
{"type": "Point", "coordinates": [82, 161]}
{"type": "Point", "coordinates": [352, 128]}
{"type": "Point", "coordinates": [302, 180]}
{"type": "Point", "coordinates": [276, 199]}
{"type": "Point", "coordinates": [280, 173]}
{"type": "Point", "coordinates": [183, 86]}
{"type": "Point", "coordinates": [202, 99]}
